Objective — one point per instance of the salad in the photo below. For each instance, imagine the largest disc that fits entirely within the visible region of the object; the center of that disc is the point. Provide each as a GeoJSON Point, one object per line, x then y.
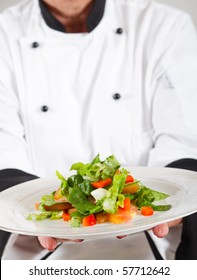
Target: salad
{"type": "Point", "coordinates": [98, 192]}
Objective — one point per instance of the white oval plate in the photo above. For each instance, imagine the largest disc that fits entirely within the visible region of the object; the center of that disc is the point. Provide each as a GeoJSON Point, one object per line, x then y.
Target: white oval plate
{"type": "Point", "coordinates": [18, 201]}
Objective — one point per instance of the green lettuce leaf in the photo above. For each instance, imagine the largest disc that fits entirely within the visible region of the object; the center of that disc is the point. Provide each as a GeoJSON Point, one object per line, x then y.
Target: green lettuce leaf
{"type": "Point", "coordinates": [80, 201]}
{"type": "Point", "coordinates": [146, 196]}
{"type": "Point", "coordinates": [39, 216]}
{"type": "Point", "coordinates": [47, 200]}
{"type": "Point", "coordinates": [97, 169]}
{"type": "Point", "coordinates": [64, 185]}
{"type": "Point", "coordinates": [114, 198]}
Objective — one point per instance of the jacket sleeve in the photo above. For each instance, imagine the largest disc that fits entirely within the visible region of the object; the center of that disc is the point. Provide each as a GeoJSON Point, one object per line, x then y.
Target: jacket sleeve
{"type": "Point", "coordinates": [174, 113]}
{"type": "Point", "coordinates": [13, 147]}
{"type": "Point", "coordinates": [187, 249]}
{"type": "Point", "coordinates": [9, 178]}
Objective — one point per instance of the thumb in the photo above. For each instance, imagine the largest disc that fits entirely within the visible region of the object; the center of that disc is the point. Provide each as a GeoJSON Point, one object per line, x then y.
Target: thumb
{"type": "Point", "coordinates": [161, 230]}
{"type": "Point", "coordinates": [48, 243]}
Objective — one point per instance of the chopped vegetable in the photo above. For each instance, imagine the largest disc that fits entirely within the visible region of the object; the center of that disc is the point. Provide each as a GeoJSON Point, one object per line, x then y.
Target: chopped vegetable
{"type": "Point", "coordinates": [121, 216]}
{"type": "Point", "coordinates": [131, 188]}
{"type": "Point", "coordinates": [146, 211]}
{"type": "Point", "coordinates": [72, 210]}
{"type": "Point", "coordinates": [65, 216]}
{"type": "Point", "coordinates": [89, 220]}
{"type": "Point", "coordinates": [37, 205]}
{"type": "Point", "coordinates": [114, 197]}
{"type": "Point", "coordinates": [127, 204]}
{"type": "Point", "coordinates": [80, 201]}
{"type": "Point", "coordinates": [58, 206]}
{"type": "Point", "coordinates": [101, 217]}
{"type": "Point", "coordinates": [102, 183]}
{"type": "Point", "coordinates": [129, 179]}
{"type": "Point", "coordinates": [98, 192]}
{"type": "Point", "coordinates": [58, 195]}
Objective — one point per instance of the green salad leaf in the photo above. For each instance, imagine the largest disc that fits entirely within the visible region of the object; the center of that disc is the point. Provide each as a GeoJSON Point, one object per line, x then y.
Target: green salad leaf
{"type": "Point", "coordinates": [146, 196]}
{"type": "Point", "coordinates": [114, 198]}
{"type": "Point", "coordinates": [64, 185]}
{"type": "Point", "coordinates": [97, 169]}
{"type": "Point", "coordinates": [80, 201]}
{"type": "Point", "coordinates": [87, 191]}
{"type": "Point", "coordinates": [47, 199]}
{"type": "Point", "coordinates": [40, 216]}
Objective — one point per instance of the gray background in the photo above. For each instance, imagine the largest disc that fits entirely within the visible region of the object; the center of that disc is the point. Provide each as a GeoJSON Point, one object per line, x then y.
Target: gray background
{"type": "Point", "coordinates": [190, 6]}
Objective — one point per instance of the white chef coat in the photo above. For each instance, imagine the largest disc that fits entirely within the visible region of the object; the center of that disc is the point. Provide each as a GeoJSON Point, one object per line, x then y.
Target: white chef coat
{"type": "Point", "coordinates": [151, 64]}
{"type": "Point", "coordinates": [134, 246]}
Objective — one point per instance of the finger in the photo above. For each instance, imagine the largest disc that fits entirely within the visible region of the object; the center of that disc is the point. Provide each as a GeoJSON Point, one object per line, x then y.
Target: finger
{"type": "Point", "coordinates": [48, 243]}
{"type": "Point", "coordinates": [51, 243]}
{"type": "Point", "coordinates": [161, 230]}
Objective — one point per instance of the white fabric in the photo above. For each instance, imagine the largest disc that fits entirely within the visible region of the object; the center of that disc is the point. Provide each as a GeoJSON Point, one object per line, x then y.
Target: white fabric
{"type": "Point", "coordinates": [132, 247]}
{"type": "Point", "coordinates": [21, 247]}
{"type": "Point", "coordinates": [152, 64]}
{"type": "Point", "coordinates": [168, 245]}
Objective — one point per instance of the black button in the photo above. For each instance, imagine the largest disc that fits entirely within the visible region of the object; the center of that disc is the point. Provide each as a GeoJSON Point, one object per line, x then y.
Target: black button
{"type": "Point", "coordinates": [119, 30]}
{"type": "Point", "coordinates": [116, 96]}
{"type": "Point", "coordinates": [35, 45]}
{"type": "Point", "coordinates": [44, 108]}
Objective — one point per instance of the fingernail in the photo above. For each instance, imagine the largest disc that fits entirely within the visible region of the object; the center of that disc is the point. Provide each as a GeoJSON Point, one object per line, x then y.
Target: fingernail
{"type": "Point", "coordinates": [78, 240]}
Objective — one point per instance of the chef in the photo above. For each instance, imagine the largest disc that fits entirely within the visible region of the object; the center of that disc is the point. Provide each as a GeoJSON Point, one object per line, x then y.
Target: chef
{"type": "Point", "coordinates": [80, 78]}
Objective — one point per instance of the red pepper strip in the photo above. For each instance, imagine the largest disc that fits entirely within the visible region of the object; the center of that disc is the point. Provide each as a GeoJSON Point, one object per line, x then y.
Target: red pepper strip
{"type": "Point", "coordinates": [129, 179]}
{"type": "Point", "coordinates": [102, 183]}
{"type": "Point", "coordinates": [89, 220]}
{"type": "Point", "coordinates": [127, 204]}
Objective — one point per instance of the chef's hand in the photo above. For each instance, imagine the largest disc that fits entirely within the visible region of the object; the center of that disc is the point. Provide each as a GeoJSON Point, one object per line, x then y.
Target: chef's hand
{"type": "Point", "coordinates": [161, 230]}
{"type": "Point", "coordinates": [51, 243]}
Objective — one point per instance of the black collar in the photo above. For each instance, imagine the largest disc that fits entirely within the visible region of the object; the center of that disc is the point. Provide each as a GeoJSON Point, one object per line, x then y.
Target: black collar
{"type": "Point", "coordinates": [93, 20]}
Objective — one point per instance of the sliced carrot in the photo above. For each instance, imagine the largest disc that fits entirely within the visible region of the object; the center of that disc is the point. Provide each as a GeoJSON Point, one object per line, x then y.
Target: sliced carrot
{"type": "Point", "coordinates": [127, 204]}
{"type": "Point", "coordinates": [146, 210]}
{"type": "Point", "coordinates": [65, 216]}
{"type": "Point", "coordinates": [37, 205]}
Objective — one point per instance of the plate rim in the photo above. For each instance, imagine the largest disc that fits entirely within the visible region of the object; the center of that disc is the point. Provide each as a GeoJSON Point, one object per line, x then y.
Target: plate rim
{"type": "Point", "coordinates": [130, 230]}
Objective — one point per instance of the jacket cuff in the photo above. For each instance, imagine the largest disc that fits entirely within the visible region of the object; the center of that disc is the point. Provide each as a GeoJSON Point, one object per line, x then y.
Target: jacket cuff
{"type": "Point", "coordinates": [185, 163]}
{"type": "Point", "coordinates": [11, 177]}
{"type": "Point", "coordinates": [187, 249]}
